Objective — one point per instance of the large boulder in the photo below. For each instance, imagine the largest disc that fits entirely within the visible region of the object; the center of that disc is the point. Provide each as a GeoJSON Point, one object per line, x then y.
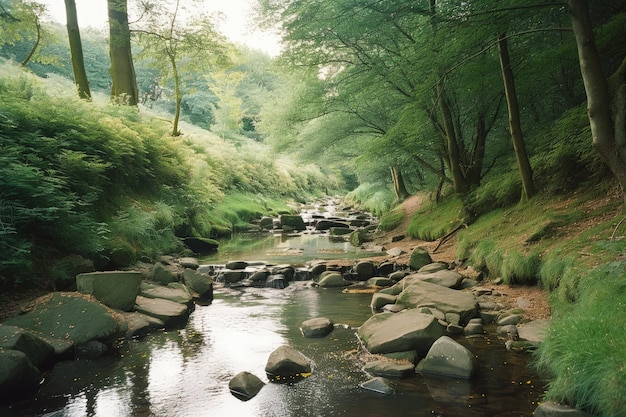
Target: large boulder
{"type": "Point", "coordinates": [445, 278]}
{"type": "Point", "coordinates": [328, 224]}
{"type": "Point", "coordinates": [389, 369]}
{"type": "Point", "coordinates": [178, 295]}
{"type": "Point", "coordinates": [448, 358]}
{"type": "Point", "coordinates": [141, 324]}
{"type": "Point", "coordinates": [332, 279]}
{"type": "Point", "coordinates": [534, 331]}
{"type": "Point", "coordinates": [365, 270]}
{"type": "Point", "coordinates": [245, 385]}
{"type": "Point", "coordinates": [419, 258]}
{"type": "Point", "coordinates": [379, 300]}
{"type": "Point", "coordinates": [287, 364]}
{"type": "Point", "coordinates": [396, 332]}
{"type": "Point", "coordinates": [317, 327]}
{"type": "Point", "coordinates": [115, 289]}
{"type": "Point", "coordinates": [19, 378]}
{"type": "Point", "coordinates": [163, 274]}
{"type": "Point", "coordinates": [292, 220]}
{"type": "Point", "coordinates": [39, 352]}
{"type": "Point", "coordinates": [72, 317]}
{"type": "Point", "coordinates": [200, 284]}
{"type": "Point", "coordinates": [418, 293]}
{"type": "Point", "coordinates": [201, 245]}
{"type": "Point", "coordinates": [169, 312]}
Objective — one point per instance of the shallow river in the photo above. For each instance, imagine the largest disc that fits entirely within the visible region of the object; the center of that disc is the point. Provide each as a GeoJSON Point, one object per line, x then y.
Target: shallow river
{"type": "Point", "coordinates": [186, 372]}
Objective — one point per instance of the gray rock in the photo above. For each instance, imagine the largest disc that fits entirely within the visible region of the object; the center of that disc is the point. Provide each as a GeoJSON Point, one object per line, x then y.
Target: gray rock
{"type": "Point", "coordinates": [507, 332]}
{"type": "Point", "coordinates": [364, 270]}
{"type": "Point", "coordinates": [236, 265]}
{"type": "Point", "coordinates": [393, 308]}
{"type": "Point", "coordinates": [448, 358]}
{"type": "Point", "coordinates": [286, 364]}
{"type": "Point", "coordinates": [141, 324]}
{"type": "Point", "coordinates": [418, 293]}
{"type": "Point", "coordinates": [445, 278]}
{"type": "Point", "coordinates": [379, 300]}
{"type": "Point", "coordinates": [163, 274]}
{"type": "Point", "coordinates": [389, 369]}
{"type": "Point", "coordinates": [395, 252]}
{"type": "Point", "coordinates": [189, 262]}
{"type": "Point", "coordinates": [409, 356]}
{"type": "Point", "coordinates": [199, 283]}
{"type": "Point", "coordinates": [19, 378]}
{"type": "Point", "coordinates": [39, 352]}
{"type": "Point", "coordinates": [115, 289]}
{"type": "Point", "coordinates": [278, 281]}
{"type": "Point", "coordinates": [293, 221]}
{"type": "Point", "coordinates": [92, 349]}
{"type": "Point", "coordinates": [266, 223]}
{"type": "Point", "coordinates": [396, 332]}
{"type": "Point", "coordinates": [379, 282]}
{"type": "Point", "coordinates": [433, 267]}
{"type": "Point", "coordinates": [419, 258]}
{"type": "Point", "coordinates": [328, 224]}
{"type": "Point", "coordinates": [473, 329]}
{"type": "Point", "coordinates": [534, 331]}
{"type": "Point", "coordinates": [178, 295]}
{"type": "Point", "coordinates": [317, 327]}
{"type": "Point", "coordinates": [230, 277]}
{"type": "Point", "coordinates": [169, 312]}
{"type": "Point", "coordinates": [245, 385]}
{"type": "Point", "coordinates": [332, 279]}
{"type": "Point", "coordinates": [379, 385]}
{"type": "Point", "coordinates": [552, 409]}
{"type": "Point", "coordinates": [509, 319]}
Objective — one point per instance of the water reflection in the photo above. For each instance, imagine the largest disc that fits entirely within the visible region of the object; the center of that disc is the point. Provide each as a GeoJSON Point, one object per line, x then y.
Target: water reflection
{"type": "Point", "coordinates": [186, 372]}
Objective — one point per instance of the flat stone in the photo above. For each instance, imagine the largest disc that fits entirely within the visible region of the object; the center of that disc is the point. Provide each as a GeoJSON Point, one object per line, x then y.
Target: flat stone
{"type": "Point", "coordinates": [389, 369]}
{"type": "Point", "coordinates": [177, 295]}
{"type": "Point", "coordinates": [317, 327]}
{"type": "Point", "coordinates": [169, 312]}
{"type": "Point", "coordinates": [534, 331]}
{"type": "Point", "coordinates": [115, 289]}
{"type": "Point", "coordinates": [552, 409]}
{"type": "Point", "coordinates": [379, 385]}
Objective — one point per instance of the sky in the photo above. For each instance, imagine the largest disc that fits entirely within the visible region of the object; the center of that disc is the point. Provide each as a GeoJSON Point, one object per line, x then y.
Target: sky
{"type": "Point", "coordinates": [238, 14]}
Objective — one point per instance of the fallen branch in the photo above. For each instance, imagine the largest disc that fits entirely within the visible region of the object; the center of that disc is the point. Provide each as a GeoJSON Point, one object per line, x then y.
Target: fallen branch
{"type": "Point", "coordinates": [617, 227]}
{"type": "Point", "coordinates": [446, 237]}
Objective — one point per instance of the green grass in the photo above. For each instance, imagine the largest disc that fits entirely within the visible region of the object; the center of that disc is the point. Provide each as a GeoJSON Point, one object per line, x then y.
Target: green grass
{"type": "Point", "coordinates": [434, 221]}
{"type": "Point", "coordinates": [392, 219]}
{"type": "Point", "coordinates": [372, 197]}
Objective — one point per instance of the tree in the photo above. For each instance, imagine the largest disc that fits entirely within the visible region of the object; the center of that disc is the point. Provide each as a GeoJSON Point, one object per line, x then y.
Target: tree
{"type": "Point", "coordinates": [606, 98]}
{"type": "Point", "coordinates": [124, 87]}
{"type": "Point", "coordinates": [22, 21]}
{"type": "Point", "coordinates": [76, 51]}
{"type": "Point", "coordinates": [178, 47]}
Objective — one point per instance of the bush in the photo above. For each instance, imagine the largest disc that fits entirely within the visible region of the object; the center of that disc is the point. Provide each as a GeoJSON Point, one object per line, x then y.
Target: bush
{"type": "Point", "coordinates": [392, 219]}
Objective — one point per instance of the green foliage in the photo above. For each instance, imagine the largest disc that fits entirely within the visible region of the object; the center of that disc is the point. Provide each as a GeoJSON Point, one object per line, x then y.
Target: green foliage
{"type": "Point", "coordinates": [372, 197]}
{"type": "Point", "coordinates": [392, 219]}
{"type": "Point", "coordinates": [520, 268]}
{"type": "Point", "coordinates": [584, 349]}
{"type": "Point", "coordinates": [433, 221]}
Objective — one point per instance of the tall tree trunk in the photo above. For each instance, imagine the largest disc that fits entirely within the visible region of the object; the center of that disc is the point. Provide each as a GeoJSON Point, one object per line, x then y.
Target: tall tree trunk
{"type": "Point", "coordinates": [523, 164]}
{"type": "Point", "coordinates": [26, 60]}
{"type": "Point", "coordinates": [606, 113]}
{"type": "Point", "coordinates": [178, 96]}
{"type": "Point", "coordinates": [461, 186]}
{"type": "Point", "coordinates": [124, 86]}
{"type": "Point", "coordinates": [76, 51]}
{"type": "Point", "coordinates": [398, 184]}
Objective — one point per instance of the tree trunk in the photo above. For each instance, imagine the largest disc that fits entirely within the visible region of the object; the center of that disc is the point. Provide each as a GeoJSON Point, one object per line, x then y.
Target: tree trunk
{"type": "Point", "coordinates": [76, 51]}
{"type": "Point", "coordinates": [124, 88]}
{"type": "Point", "coordinates": [398, 184]}
{"type": "Point", "coordinates": [454, 157]}
{"type": "Point", "coordinates": [607, 128]}
{"type": "Point", "coordinates": [178, 96]}
{"type": "Point", "coordinates": [523, 164]}
{"type": "Point", "coordinates": [37, 42]}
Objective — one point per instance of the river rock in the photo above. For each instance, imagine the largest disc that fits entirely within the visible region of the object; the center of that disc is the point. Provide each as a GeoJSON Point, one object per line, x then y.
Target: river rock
{"type": "Point", "coordinates": [230, 277]}
{"type": "Point", "coordinates": [396, 332]}
{"type": "Point", "coordinates": [507, 319]}
{"type": "Point", "coordinates": [328, 224]}
{"type": "Point", "coordinates": [115, 289]}
{"type": "Point", "coordinates": [169, 312]}
{"type": "Point", "coordinates": [19, 378]}
{"type": "Point", "coordinates": [379, 385]}
{"type": "Point", "coordinates": [291, 220]}
{"type": "Point", "coordinates": [245, 385]}
{"type": "Point", "coordinates": [141, 324]}
{"type": "Point", "coordinates": [317, 269]}
{"type": "Point", "coordinates": [285, 364]}
{"type": "Point", "coordinates": [178, 295]}
{"type": "Point", "coordinates": [73, 317]}
{"type": "Point", "coordinates": [445, 278]}
{"type": "Point", "coordinates": [419, 258]}
{"type": "Point", "coordinates": [447, 357]}
{"type": "Point", "coordinates": [433, 267]}
{"type": "Point", "coordinates": [379, 300]}
{"type": "Point", "coordinates": [364, 270]}
{"type": "Point", "coordinates": [189, 262]}
{"type": "Point", "coordinates": [534, 331]}
{"type": "Point", "coordinates": [39, 352]}
{"type": "Point", "coordinates": [200, 284]}
{"type": "Point", "coordinates": [266, 223]}
{"type": "Point", "coordinates": [552, 409]}
{"type": "Point", "coordinates": [201, 245]}
{"type": "Point", "coordinates": [379, 282]}
{"type": "Point", "coordinates": [332, 279]}
{"type": "Point", "coordinates": [418, 293]}
{"type": "Point", "coordinates": [389, 369]}
{"type": "Point", "coordinates": [163, 274]}
{"type": "Point", "coordinates": [318, 327]}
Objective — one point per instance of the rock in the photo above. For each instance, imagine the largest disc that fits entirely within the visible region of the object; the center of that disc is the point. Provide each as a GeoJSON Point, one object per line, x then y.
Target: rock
{"type": "Point", "coordinates": [389, 369]}
{"type": "Point", "coordinates": [199, 283]}
{"type": "Point", "coordinates": [396, 332]}
{"type": "Point", "coordinates": [317, 269]}
{"type": "Point", "coordinates": [386, 268]}
{"type": "Point", "coordinates": [379, 282]}
{"type": "Point", "coordinates": [266, 223]}
{"type": "Point", "coordinates": [163, 274]}
{"type": "Point", "coordinates": [409, 356]}
{"type": "Point", "coordinates": [418, 293]}
{"type": "Point", "coordinates": [379, 300]}
{"type": "Point", "coordinates": [189, 262]}
{"type": "Point", "coordinates": [445, 278]}
{"type": "Point", "coordinates": [259, 276]}
{"type": "Point", "coordinates": [379, 385]}
{"type": "Point", "coordinates": [115, 289]}
{"type": "Point", "coordinates": [393, 308]}
{"type": "Point", "coordinates": [277, 281]}
{"type": "Point", "coordinates": [332, 279]}
{"type": "Point", "coordinates": [394, 252]}
{"type": "Point", "coordinates": [433, 267]}
{"type": "Point", "coordinates": [201, 245]}
{"type": "Point", "coordinates": [245, 385]}
{"type": "Point", "coordinates": [291, 220]}
{"type": "Point", "coordinates": [39, 352]}
{"type": "Point", "coordinates": [507, 332]}
{"type": "Point", "coordinates": [328, 224]}
{"type": "Point", "coordinates": [141, 324]}
{"type": "Point", "coordinates": [449, 358]}
{"type": "Point", "coordinates": [397, 276]}
{"type": "Point", "coordinates": [534, 331]}
{"type": "Point", "coordinates": [473, 329]}
{"type": "Point", "coordinates": [364, 270]}
{"type": "Point", "coordinates": [169, 312]}
{"type": "Point", "coordinates": [509, 319]}
{"type": "Point", "coordinates": [339, 231]}
{"type": "Point", "coordinates": [231, 277]}
{"type": "Point", "coordinates": [286, 364]}
{"type": "Point", "coordinates": [19, 378]}
{"type": "Point", "coordinates": [236, 265]}
{"type": "Point", "coordinates": [419, 258]}
{"type": "Point", "coordinates": [318, 327]}
{"type": "Point", "coordinates": [178, 295]}
{"type": "Point", "coordinates": [92, 349]}
{"type": "Point", "coordinates": [552, 409]}
{"type": "Point", "coordinates": [71, 316]}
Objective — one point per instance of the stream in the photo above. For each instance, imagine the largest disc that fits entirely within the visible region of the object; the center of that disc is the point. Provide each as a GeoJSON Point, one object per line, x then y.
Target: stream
{"type": "Point", "coordinates": [186, 372]}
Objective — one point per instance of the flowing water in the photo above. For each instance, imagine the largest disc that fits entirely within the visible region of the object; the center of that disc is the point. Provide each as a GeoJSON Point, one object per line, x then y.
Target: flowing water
{"type": "Point", "coordinates": [186, 372]}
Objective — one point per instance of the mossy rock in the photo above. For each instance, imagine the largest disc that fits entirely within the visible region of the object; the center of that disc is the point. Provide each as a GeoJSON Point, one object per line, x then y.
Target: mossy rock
{"type": "Point", "coordinates": [419, 258]}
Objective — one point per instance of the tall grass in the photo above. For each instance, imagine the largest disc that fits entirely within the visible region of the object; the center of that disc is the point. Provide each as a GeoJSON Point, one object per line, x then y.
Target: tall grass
{"type": "Point", "coordinates": [433, 221]}
{"type": "Point", "coordinates": [373, 197]}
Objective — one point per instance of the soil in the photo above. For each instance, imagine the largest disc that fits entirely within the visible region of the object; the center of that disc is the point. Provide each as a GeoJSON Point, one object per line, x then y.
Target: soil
{"type": "Point", "coordinates": [533, 300]}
